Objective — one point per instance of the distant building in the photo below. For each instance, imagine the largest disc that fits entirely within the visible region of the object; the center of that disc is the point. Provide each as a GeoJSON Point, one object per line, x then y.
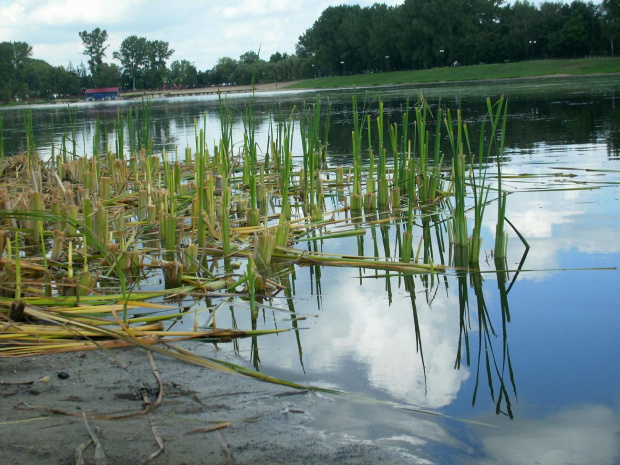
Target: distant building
{"type": "Point", "coordinates": [104, 93]}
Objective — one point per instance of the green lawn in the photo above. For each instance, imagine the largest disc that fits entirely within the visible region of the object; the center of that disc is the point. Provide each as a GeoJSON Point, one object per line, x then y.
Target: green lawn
{"type": "Point", "coordinates": [467, 73]}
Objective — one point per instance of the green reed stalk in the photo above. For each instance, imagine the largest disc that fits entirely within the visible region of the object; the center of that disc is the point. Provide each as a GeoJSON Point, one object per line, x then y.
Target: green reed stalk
{"type": "Point", "coordinates": [501, 237]}
{"type": "Point", "coordinates": [190, 258]}
{"type": "Point", "coordinates": [325, 138]}
{"type": "Point", "coordinates": [18, 272]}
{"type": "Point", "coordinates": [251, 277]}
{"type": "Point", "coordinates": [53, 153]}
{"type": "Point", "coordinates": [480, 195]}
{"type": "Point", "coordinates": [73, 123]}
{"type": "Point", "coordinates": [396, 176]}
{"type": "Point", "coordinates": [119, 130]}
{"type": "Point", "coordinates": [168, 232]}
{"type": "Point", "coordinates": [404, 145]}
{"type": "Point", "coordinates": [383, 196]}
{"type": "Point", "coordinates": [225, 205]}
{"type": "Point", "coordinates": [101, 225]}
{"type": "Point", "coordinates": [226, 124]}
{"type": "Point", "coordinates": [459, 221]}
{"type": "Point", "coordinates": [196, 137]}
{"type": "Point", "coordinates": [407, 240]}
{"type": "Point", "coordinates": [1, 138]}
{"type": "Point", "coordinates": [131, 133]}
{"type": "Point", "coordinates": [63, 156]}
{"type": "Point", "coordinates": [264, 246]}
{"type": "Point", "coordinates": [96, 138]}
{"type": "Point", "coordinates": [356, 198]}
{"type": "Point", "coordinates": [87, 219]}
{"type": "Point", "coordinates": [312, 150]}
{"type": "Point", "coordinates": [204, 187]}
{"type": "Point", "coordinates": [144, 137]}
{"type": "Point", "coordinates": [285, 175]}
{"type": "Point", "coordinates": [480, 192]}
{"type": "Point", "coordinates": [250, 163]}
{"type": "Point", "coordinates": [72, 214]}
{"type": "Point", "coordinates": [36, 225]}
{"type": "Point", "coordinates": [422, 149]}
{"type": "Point", "coordinates": [312, 153]}
{"type": "Point", "coordinates": [31, 147]}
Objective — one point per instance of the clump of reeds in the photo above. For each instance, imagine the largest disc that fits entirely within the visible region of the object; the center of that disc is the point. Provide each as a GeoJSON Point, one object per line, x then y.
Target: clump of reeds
{"type": "Point", "coordinates": [137, 212]}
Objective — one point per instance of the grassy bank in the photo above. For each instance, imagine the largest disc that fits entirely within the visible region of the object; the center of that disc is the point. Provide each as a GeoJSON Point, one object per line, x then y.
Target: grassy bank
{"type": "Point", "coordinates": [467, 73]}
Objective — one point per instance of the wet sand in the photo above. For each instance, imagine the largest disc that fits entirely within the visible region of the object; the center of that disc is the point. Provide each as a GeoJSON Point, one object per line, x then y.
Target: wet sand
{"type": "Point", "coordinates": [42, 422]}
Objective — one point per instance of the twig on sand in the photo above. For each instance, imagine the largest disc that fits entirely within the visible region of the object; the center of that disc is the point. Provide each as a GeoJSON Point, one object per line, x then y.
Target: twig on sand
{"type": "Point", "coordinates": [225, 447]}
{"type": "Point", "coordinates": [100, 458]}
{"type": "Point", "coordinates": [160, 442]}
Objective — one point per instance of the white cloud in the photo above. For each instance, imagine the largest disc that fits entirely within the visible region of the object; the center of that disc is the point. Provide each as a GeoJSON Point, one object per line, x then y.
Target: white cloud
{"type": "Point", "coordinates": [581, 435]}
{"type": "Point", "coordinates": [362, 325]}
{"type": "Point", "coordinates": [12, 13]}
{"type": "Point", "coordinates": [73, 12]}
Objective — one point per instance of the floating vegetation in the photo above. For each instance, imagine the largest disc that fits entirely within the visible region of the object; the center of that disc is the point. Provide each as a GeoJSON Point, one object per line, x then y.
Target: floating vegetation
{"type": "Point", "coordinates": [116, 248]}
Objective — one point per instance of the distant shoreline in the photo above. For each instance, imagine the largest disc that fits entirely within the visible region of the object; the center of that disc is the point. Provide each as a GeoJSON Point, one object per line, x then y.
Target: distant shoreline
{"type": "Point", "coordinates": [537, 69]}
{"type": "Point", "coordinates": [483, 72]}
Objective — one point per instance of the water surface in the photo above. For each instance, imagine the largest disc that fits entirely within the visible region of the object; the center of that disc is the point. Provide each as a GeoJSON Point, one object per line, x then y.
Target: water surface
{"type": "Point", "coordinates": [359, 334]}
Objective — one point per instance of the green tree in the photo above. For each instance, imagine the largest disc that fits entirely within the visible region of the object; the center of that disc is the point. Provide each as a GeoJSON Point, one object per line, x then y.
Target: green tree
{"type": "Point", "coordinates": [383, 54]}
{"type": "Point", "coordinates": [158, 54]}
{"type": "Point", "coordinates": [94, 48]}
{"type": "Point", "coordinates": [67, 81]}
{"type": "Point", "coordinates": [134, 57]}
{"type": "Point", "coordinates": [436, 32]}
{"type": "Point", "coordinates": [183, 73]}
{"type": "Point", "coordinates": [274, 58]}
{"type": "Point", "coordinates": [223, 71]}
{"type": "Point", "coordinates": [14, 57]}
{"type": "Point", "coordinates": [611, 11]}
{"type": "Point", "coordinates": [579, 34]}
{"type": "Point", "coordinates": [7, 71]}
{"type": "Point", "coordinates": [519, 31]}
{"type": "Point", "coordinates": [109, 75]}
{"type": "Point", "coordinates": [249, 58]}
{"type": "Point", "coordinates": [338, 40]}
{"type": "Point", "coordinates": [38, 79]}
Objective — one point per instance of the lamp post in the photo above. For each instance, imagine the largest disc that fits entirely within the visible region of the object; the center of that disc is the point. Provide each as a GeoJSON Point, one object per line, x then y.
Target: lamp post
{"type": "Point", "coordinates": [533, 47]}
{"type": "Point", "coordinates": [387, 62]}
{"type": "Point", "coordinates": [441, 50]}
{"type": "Point", "coordinates": [344, 68]}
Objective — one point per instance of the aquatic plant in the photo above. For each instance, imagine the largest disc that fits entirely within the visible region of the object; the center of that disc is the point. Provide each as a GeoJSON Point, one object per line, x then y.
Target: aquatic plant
{"type": "Point", "coordinates": [114, 221]}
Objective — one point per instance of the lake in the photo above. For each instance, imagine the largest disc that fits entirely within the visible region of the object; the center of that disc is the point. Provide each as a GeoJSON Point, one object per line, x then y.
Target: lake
{"type": "Point", "coordinates": [542, 383]}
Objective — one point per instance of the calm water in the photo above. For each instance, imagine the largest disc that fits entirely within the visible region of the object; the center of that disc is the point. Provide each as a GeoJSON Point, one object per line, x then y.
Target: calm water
{"type": "Point", "coordinates": [359, 335]}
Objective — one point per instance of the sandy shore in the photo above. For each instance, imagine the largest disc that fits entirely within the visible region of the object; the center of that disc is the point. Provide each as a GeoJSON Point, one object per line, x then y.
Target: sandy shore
{"type": "Point", "coordinates": [44, 399]}
{"type": "Point", "coordinates": [270, 87]}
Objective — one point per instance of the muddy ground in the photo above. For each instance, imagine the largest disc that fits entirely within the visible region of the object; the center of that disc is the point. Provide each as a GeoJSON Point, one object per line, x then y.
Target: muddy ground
{"type": "Point", "coordinates": [44, 400]}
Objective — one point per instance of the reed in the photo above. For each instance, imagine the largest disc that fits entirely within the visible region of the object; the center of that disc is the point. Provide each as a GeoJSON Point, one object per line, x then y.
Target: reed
{"type": "Point", "coordinates": [501, 236]}
{"type": "Point", "coordinates": [1, 138]}
{"type": "Point", "coordinates": [73, 124]}
{"type": "Point", "coordinates": [250, 165]}
{"type": "Point", "coordinates": [119, 132]}
{"type": "Point", "coordinates": [96, 138]}
{"type": "Point", "coordinates": [137, 215]}
{"type": "Point", "coordinates": [356, 199]}
{"type": "Point", "coordinates": [480, 194]}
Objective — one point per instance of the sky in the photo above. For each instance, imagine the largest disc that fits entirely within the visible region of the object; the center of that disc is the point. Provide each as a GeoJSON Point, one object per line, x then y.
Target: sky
{"type": "Point", "coordinates": [200, 31]}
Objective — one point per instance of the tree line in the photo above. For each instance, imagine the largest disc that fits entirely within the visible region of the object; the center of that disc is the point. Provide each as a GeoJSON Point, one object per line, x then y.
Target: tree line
{"type": "Point", "coordinates": [423, 34]}
{"type": "Point", "coordinates": [345, 39]}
